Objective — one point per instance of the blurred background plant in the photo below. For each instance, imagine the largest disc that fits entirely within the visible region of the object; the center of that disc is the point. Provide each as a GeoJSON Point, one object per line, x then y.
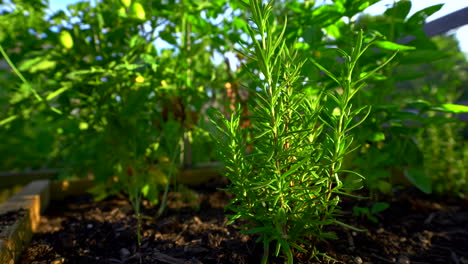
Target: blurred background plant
{"type": "Point", "coordinates": [443, 140]}
{"type": "Point", "coordinates": [113, 91]}
{"type": "Point", "coordinates": [416, 97]}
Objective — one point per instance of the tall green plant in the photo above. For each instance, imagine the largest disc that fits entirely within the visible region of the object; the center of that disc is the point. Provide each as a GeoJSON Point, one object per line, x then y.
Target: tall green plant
{"type": "Point", "coordinates": [288, 186]}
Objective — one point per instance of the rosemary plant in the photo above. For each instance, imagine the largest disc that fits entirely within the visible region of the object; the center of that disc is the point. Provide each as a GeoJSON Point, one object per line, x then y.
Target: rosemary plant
{"type": "Point", "coordinates": [288, 186]}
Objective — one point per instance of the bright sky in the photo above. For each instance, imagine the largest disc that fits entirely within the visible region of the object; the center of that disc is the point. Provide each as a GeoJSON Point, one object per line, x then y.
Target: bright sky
{"type": "Point", "coordinates": [449, 7]}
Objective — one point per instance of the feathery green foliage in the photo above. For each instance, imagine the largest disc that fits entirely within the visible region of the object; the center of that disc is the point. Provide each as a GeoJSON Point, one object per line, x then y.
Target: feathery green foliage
{"type": "Point", "coordinates": [288, 186]}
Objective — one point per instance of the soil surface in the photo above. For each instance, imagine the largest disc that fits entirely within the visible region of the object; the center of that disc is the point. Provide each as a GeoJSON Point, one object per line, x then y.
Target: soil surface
{"type": "Point", "coordinates": [415, 229]}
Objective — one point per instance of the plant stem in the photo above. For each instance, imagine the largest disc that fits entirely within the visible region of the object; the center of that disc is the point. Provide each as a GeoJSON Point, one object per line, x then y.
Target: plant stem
{"type": "Point", "coordinates": [162, 207]}
{"type": "Point", "coordinates": [17, 72]}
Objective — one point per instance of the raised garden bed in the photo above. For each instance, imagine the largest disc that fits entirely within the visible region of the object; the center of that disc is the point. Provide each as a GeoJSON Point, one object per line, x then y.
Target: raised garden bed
{"type": "Point", "coordinates": [20, 214]}
{"type": "Point", "coordinates": [415, 229]}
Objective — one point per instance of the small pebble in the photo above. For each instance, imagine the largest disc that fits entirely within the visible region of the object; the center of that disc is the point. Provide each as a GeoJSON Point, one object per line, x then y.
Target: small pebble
{"type": "Point", "coordinates": [124, 253]}
{"type": "Point", "coordinates": [58, 261]}
{"type": "Point", "coordinates": [403, 260]}
{"type": "Point", "coordinates": [358, 260]}
{"type": "Point", "coordinates": [195, 250]}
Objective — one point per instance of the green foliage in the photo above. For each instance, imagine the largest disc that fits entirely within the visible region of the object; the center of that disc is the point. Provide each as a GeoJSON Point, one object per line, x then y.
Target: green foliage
{"type": "Point", "coordinates": [112, 91]}
{"type": "Point", "coordinates": [97, 96]}
{"type": "Point", "coordinates": [441, 140]}
{"type": "Point", "coordinates": [93, 75]}
{"type": "Point", "coordinates": [288, 186]}
{"type": "Point", "coordinates": [92, 90]}
{"type": "Point", "coordinates": [137, 11]}
{"type": "Point", "coordinates": [66, 40]}
{"type": "Point", "coordinates": [402, 112]}
{"type": "Point", "coordinates": [370, 212]}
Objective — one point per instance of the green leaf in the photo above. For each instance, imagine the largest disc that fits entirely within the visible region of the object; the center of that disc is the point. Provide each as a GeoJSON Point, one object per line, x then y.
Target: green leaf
{"type": "Point", "coordinates": [399, 10]}
{"type": "Point", "coordinates": [326, 15]}
{"type": "Point", "coordinates": [145, 189]}
{"type": "Point", "coordinates": [294, 168]}
{"type": "Point", "coordinates": [379, 207]}
{"type": "Point", "coordinates": [365, 4]}
{"type": "Point", "coordinates": [150, 191]}
{"type": "Point", "coordinates": [420, 104]}
{"type": "Point", "coordinates": [452, 108]}
{"type": "Point", "coordinates": [286, 250]}
{"type": "Point", "coordinates": [136, 41]}
{"type": "Point", "coordinates": [127, 66]}
{"type": "Point", "coordinates": [419, 17]}
{"type": "Point", "coordinates": [312, 35]}
{"type": "Point", "coordinates": [56, 93]}
{"type": "Point", "coordinates": [167, 36]}
{"type": "Point", "coordinates": [8, 120]}
{"type": "Point", "coordinates": [333, 31]}
{"type": "Point", "coordinates": [420, 179]}
{"type": "Point", "coordinates": [423, 56]}
{"type": "Point", "coordinates": [360, 210]}
{"type": "Point", "coordinates": [327, 72]}
{"type": "Point", "coordinates": [349, 226]}
{"type": "Point", "coordinates": [378, 68]}
{"type": "Point", "coordinates": [242, 3]}
{"type": "Point", "coordinates": [27, 64]}
{"type": "Point", "coordinates": [239, 23]}
{"type": "Point", "coordinates": [377, 136]}
{"type": "Point", "coordinates": [256, 230]}
{"type": "Point", "coordinates": [392, 46]}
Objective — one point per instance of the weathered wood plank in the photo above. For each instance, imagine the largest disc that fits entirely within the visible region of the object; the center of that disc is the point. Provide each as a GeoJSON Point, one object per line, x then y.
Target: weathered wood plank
{"type": "Point", "coordinates": [33, 199]}
{"type": "Point", "coordinates": [8, 179]}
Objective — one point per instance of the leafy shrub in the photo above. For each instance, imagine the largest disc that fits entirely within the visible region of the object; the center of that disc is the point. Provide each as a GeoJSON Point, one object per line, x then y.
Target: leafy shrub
{"type": "Point", "coordinates": [288, 184]}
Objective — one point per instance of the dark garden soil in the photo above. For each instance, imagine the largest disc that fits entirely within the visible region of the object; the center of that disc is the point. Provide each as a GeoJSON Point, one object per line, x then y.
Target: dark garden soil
{"type": "Point", "coordinates": [415, 229]}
